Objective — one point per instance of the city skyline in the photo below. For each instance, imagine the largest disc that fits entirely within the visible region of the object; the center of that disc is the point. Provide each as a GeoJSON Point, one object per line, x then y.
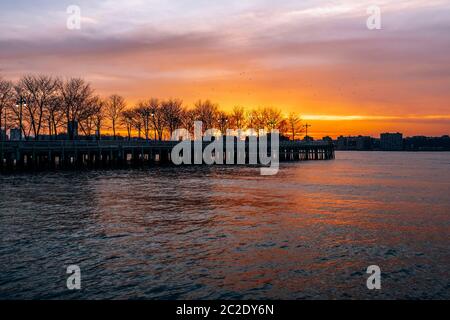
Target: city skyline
{"type": "Point", "coordinates": [315, 58]}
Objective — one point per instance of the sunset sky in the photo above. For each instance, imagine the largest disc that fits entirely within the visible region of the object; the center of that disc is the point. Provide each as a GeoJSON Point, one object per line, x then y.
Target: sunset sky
{"type": "Point", "coordinates": [316, 58]}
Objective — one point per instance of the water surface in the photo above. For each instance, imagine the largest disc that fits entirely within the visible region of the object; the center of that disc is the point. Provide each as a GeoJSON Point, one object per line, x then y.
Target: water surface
{"type": "Point", "coordinates": [228, 233]}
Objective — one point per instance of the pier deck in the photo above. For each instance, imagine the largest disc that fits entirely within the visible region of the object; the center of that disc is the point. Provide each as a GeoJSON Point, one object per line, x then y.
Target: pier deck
{"type": "Point", "coordinates": [40, 155]}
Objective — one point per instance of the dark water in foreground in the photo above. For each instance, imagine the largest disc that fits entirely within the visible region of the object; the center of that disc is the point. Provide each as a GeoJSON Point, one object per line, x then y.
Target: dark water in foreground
{"type": "Point", "coordinates": [228, 233]}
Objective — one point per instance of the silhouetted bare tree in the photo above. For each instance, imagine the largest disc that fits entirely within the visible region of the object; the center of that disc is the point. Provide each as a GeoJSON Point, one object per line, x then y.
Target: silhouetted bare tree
{"type": "Point", "coordinates": [137, 123]}
{"type": "Point", "coordinates": [115, 105]}
{"type": "Point", "coordinates": [99, 116]}
{"type": "Point", "coordinates": [223, 121]}
{"type": "Point", "coordinates": [257, 119]}
{"type": "Point", "coordinates": [207, 112]}
{"type": "Point", "coordinates": [6, 96]}
{"type": "Point", "coordinates": [283, 127]}
{"type": "Point", "coordinates": [55, 115]}
{"type": "Point", "coordinates": [295, 125]}
{"type": "Point", "coordinates": [76, 97]}
{"type": "Point", "coordinates": [265, 118]}
{"type": "Point", "coordinates": [157, 117]}
{"type": "Point", "coordinates": [172, 112]}
{"type": "Point", "coordinates": [187, 120]}
{"type": "Point", "coordinates": [53, 103]}
{"type": "Point", "coordinates": [237, 118]}
{"type": "Point", "coordinates": [272, 118]}
{"type": "Point", "coordinates": [144, 114]}
{"type": "Point", "coordinates": [90, 115]}
{"type": "Point", "coordinates": [40, 91]}
{"type": "Point", "coordinates": [128, 119]}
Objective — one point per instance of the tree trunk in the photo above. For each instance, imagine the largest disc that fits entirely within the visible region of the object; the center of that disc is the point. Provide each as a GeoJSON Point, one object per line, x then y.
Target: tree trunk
{"type": "Point", "coordinates": [55, 131]}
{"type": "Point", "coordinates": [99, 134]}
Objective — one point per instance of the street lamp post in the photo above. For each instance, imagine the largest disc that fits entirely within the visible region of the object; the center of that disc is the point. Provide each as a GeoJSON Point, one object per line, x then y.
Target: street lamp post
{"type": "Point", "coordinates": [21, 102]}
{"type": "Point", "coordinates": [307, 126]}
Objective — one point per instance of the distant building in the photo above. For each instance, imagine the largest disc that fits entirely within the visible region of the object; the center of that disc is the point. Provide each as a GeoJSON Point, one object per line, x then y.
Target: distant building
{"type": "Point", "coordinates": [422, 143]}
{"type": "Point", "coordinates": [391, 141]}
{"type": "Point", "coordinates": [15, 134]}
{"type": "Point", "coordinates": [376, 143]}
{"type": "Point", "coordinates": [359, 143]}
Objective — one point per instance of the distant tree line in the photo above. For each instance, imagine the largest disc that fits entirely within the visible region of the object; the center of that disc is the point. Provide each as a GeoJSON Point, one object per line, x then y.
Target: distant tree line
{"type": "Point", "coordinates": [46, 105]}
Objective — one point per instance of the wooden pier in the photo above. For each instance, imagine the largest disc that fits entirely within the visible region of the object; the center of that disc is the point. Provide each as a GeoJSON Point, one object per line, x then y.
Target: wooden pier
{"type": "Point", "coordinates": [44, 155]}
